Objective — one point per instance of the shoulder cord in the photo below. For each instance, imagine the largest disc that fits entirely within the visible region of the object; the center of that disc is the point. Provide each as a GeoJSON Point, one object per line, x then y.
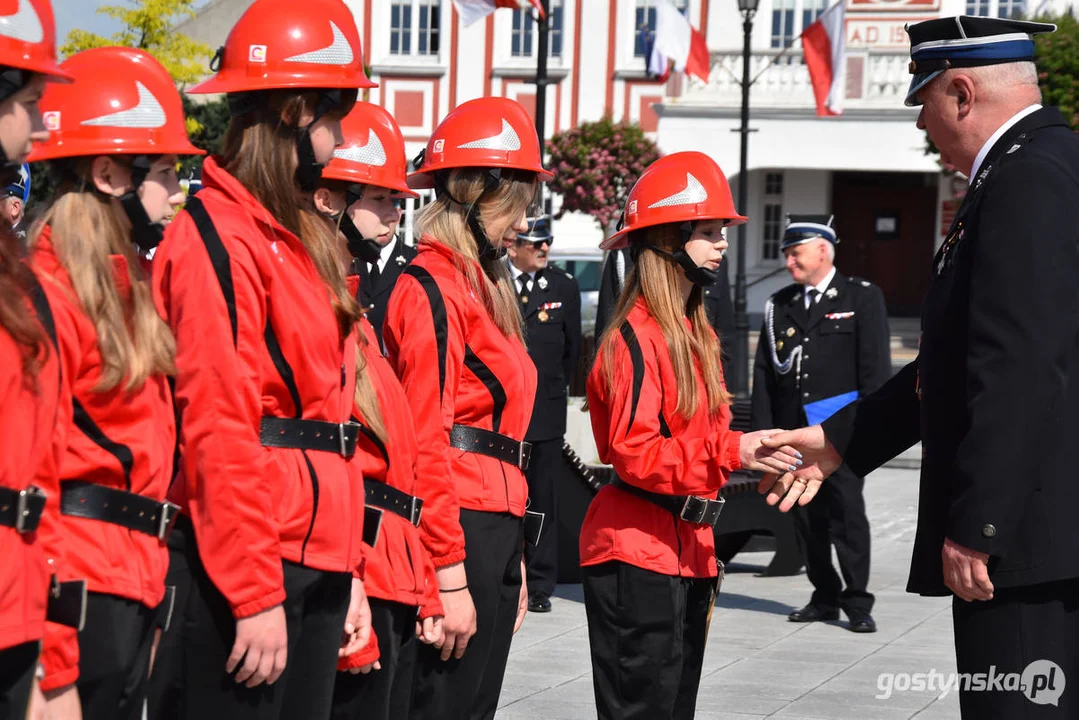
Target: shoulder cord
{"type": "Point", "coordinates": [794, 360]}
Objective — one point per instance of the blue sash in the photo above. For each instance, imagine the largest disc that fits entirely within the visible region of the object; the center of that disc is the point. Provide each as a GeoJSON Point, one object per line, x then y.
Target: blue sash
{"type": "Point", "coordinates": [818, 412]}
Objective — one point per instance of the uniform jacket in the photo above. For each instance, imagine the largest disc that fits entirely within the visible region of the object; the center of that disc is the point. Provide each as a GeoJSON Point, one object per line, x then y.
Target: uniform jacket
{"type": "Point", "coordinates": [376, 296]}
{"type": "Point", "coordinates": [33, 416]}
{"type": "Point", "coordinates": [120, 439]}
{"type": "Point", "coordinates": [253, 506]}
{"type": "Point", "coordinates": [552, 320]}
{"type": "Point", "coordinates": [990, 395]}
{"type": "Point", "coordinates": [844, 339]}
{"type": "Point", "coordinates": [457, 368]}
{"type": "Point", "coordinates": [717, 302]}
{"type": "Point", "coordinates": [652, 447]}
{"type": "Point", "coordinates": [398, 568]}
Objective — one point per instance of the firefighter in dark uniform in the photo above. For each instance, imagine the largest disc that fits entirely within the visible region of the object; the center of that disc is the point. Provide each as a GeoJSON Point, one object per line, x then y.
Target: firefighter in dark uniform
{"type": "Point", "coordinates": [994, 393]}
{"type": "Point", "coordinates": [824, 344]}
{"type": "Point", "coordinates": [550, 302]}
{"type": "Point", "coordinates": [378, 273]}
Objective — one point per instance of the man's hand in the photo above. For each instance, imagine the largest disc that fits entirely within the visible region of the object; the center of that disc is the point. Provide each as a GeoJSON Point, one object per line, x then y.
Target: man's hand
{"type": "Point", "coordinates": [357, 631]}
{"type": "Point", "coordinates": [755, 455]}
{"type": "Point", "coordinates": [459, 624]}
{"type": "Point", "coordinates": [522, 600]}
{"type": "Point", "coordinates": [429, 630]}
{"type": "Point", "coordinates": [262, 645]}
{"type": "Point", "coordinates": [819, 460]}
{"type": "Point", "coordinates": [966, 572]}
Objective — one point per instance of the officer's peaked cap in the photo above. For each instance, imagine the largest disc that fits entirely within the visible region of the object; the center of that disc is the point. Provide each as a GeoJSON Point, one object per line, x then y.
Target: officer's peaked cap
{"type": "Point", "coordinates": [538, 229]}
{"type": "Point", "coordinates": [966, 41]}
{"type": "Point", "coordinates": [803, 228]}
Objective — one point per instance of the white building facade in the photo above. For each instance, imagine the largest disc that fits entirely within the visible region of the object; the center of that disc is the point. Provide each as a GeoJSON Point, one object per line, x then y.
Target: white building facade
{"type": "Point", "coordinates": [869, 166]}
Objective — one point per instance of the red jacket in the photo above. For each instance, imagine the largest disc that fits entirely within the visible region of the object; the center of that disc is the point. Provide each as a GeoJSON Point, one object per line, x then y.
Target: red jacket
{"type": "Point", "coordinates": [141, 424]}
{"type": "Point", "coordinates": [253, 506]}
{"type": "Point", "coordinates": [30, 411]}
{"type": "Point", "coordinates": [696, 457]}
{"type": "Point", "coordinates": [398, 568]}
{"type": "Point", "coordinates": [425, 324]}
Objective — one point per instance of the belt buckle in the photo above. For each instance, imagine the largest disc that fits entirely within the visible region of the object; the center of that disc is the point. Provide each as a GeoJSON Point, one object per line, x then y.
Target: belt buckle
{"type": "Point", "coordinates": [343, 439]}
{"type": "Point", "coordinates": [694, 509]}
{"type": "Point", "coordinates": [22, 509]}
{"type": "Point", "coordinates": [713, 510]}
{"type": "Point", "coordinates": [416, 511]}
{"type": "Point", "coordinates": [169, 513]}
{"type": "Point", "coordinates": [524, 454]}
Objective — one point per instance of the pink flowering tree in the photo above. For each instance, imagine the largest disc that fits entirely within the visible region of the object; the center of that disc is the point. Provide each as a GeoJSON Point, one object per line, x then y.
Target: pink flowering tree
{"type": "Point", "coordinates": [596, 164]}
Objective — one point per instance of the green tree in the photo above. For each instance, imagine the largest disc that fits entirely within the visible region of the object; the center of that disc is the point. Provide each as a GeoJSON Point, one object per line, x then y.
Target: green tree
{"type": "Point", "coordinates": [595, 165]}
{"type": "Point", "coordinates": [149, 25]}
{"type": "Point", "coordinates": [1057, 57]}
{"type": "Point", "coordinates": [212, 119]}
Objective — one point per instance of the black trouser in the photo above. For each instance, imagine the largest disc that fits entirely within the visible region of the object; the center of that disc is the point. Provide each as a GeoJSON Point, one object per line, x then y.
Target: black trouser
{"type": "Point", "coordinates": [468, 689]}
{"type": "Point", "coordinates": [114, 657]}
{"type": "Point", "coordinates": [647, 633]}
{"type": "Point", "coordinates": [546, 470]}
{"type": "Point", "coordinates": [384, 694]}
{"type": "Point", "coordinates": [196, 686]}
{"type": "Point", "coordinates": [837, 517]}
{"type": "Point", "coordinates": [1018, 627]}
{"type": "Point", "coordinates": [17, 666]}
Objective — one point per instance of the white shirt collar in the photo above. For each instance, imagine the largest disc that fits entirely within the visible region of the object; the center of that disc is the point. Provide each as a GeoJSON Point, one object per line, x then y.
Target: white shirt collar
{"type": "Point", "coordinates": [823, 284]}
{"type": "Point", "coordinates": [517, 273]}
{"type": "Point", "coordinates": [386, 253]}
{"type": "Point", "coordinates": [980, 157]}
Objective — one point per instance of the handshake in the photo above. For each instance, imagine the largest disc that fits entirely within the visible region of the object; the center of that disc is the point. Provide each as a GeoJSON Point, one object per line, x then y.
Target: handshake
{"type": "Point", "coordinates": [794, 463]}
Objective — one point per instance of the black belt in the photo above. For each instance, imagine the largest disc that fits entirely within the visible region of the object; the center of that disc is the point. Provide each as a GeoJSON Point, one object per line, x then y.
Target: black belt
{"type": "Point", "coordinates": [128, 510]}
{"type": "Point", "coordinates": [393, 500]}
{"type": "Point", "coordinates": [691, 508]}
{"type": "Point", "coordinates": [491, 444]}
{"type": "Point", "coordinates": [337, 438]}
{"type": "Point", "coordinates": [21, 509]}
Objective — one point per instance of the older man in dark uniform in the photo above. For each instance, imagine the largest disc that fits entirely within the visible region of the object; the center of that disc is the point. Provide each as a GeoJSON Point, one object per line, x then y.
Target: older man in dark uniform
{"type": "Point", "coordinates": [550, 302]}
{"type": "Point", "coordinates": [824, 344]}
{"type": "Point", "coordinates": [994, 393]}
{"type": "Point", "coordinates": [379, 272]}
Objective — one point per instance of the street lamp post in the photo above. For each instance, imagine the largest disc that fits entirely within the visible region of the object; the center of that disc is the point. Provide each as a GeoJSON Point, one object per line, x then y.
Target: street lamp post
{"type": "Point", "coordinates": [740, 381]}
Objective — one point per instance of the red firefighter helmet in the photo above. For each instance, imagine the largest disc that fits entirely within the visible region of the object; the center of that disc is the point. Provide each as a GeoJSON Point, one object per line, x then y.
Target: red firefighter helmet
{"type": "Point", "coordinates": [28, 38]}
{"type": "Point", "coordinates": [279, 44]}
{"type": "Point", "coordinates": [123, 102]}
{"type": "Point", "coordinates": [373, 151]}
{"type": "Point", "coordinates": [684, 186]}
{"type": "Point", "coordinates": [489, 132]}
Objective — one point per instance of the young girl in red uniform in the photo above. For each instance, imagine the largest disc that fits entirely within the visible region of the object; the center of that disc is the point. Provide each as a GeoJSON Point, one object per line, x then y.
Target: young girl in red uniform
{"type": "Point", "coordinates": [29, 378]}
{"type": "Point", "coordinates": [453, 333]}
{"type": "Point", "coordinates": [250, 282]}
{"type": "Point", "coordinates": [660, 416]}
{"type": "Point", "coordinates": [358, 190]}
{"type": "Point", "coordinates": [115, 138]}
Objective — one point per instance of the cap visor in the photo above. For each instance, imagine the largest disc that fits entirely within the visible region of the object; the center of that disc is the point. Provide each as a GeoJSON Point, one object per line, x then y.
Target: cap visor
{"type": "Point", "coordinates": [616, 242]}
{"type": "Point", "coordinates": [919, 81]}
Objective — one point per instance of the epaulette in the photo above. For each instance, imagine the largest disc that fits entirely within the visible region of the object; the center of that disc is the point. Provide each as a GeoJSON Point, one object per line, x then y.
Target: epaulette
{"type": "Point", "coordinates": [858, 281]}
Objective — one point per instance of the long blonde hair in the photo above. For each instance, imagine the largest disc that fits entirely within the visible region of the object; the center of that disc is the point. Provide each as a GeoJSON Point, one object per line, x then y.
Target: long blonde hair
{"type": "Point", "coordinates": [658, 280]}
{"type": "Point", "coordinates": [260, 152]}
{"type": "Point", "coordinates": [366, 397]}
{"type": "Point", "coordinates": [86, 228]}
{"type": "Point", "coordinates": [446, 221]}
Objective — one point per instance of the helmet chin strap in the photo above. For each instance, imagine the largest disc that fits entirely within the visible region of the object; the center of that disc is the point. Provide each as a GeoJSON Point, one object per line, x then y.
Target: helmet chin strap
{"type": "Point", "coordinates": [484, 248]}
{"type": "Point", "coordinates": [145, 234]}
{"type": "Point", "coordinates": [359, 247]}
{"type": "Point", "coordinates": [696, 274]}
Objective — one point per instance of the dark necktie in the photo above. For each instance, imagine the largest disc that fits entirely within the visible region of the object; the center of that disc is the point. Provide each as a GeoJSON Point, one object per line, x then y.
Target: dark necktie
{"type": "Point", "coordinates": [812, 294]}
{"type": "Point", "coordinates": [374, 275]}
{"type": "Point", "coordinates": [522, 294]}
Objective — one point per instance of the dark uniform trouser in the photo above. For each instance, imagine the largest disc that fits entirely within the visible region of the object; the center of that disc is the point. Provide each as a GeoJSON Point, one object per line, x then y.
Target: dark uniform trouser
{"type": "Point", "coordinates": [546, 469]}
{"type": "Point", "coordinates": [1017, 627]}
{"type": "Point", "coordinates": [114, 657]}
{"type": "Point", "coordinates": [193, 684]}
{"type": "Point", "coordinates": [384, 694]}
{"type": "Point", "coordinates": [646, 632]}
{"type": "Point", "coordinates": [17, 666]}
{"type": "Point", "coordinates": [468, 689]}
{"type": "Point", "coordinates": [837, 517]}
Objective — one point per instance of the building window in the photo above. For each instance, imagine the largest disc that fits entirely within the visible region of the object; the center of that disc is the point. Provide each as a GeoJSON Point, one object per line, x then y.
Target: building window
{"type": "Point", "coordinates": [773, 215]}
{"type": "Point", "coordinates": [782, 23]}
{"type": "Point", "coordinates": [1011, 8]}
{"type": "Point", "coordinates": [414, 27]}
{"type": "Point", "coordinates": [978, 7]}
{"type": "Point", "coordinates": [523, 39]}
{"type": "Point", "coordinates": [811, 10]}
{"type": "Point", "coordinates": [644, 25]}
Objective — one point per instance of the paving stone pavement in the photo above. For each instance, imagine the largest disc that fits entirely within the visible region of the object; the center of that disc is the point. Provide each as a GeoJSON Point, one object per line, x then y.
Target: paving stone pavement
{"type": "Point", "coordinates": [758, 664]}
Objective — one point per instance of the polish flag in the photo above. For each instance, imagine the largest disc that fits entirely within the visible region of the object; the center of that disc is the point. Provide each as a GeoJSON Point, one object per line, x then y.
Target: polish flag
{"type": "Point", "coordinates": [825, 46]}
{"type": "Point", "coordinates": [473, 10]}
{"type": "Point", "coordinates": [678, 43]}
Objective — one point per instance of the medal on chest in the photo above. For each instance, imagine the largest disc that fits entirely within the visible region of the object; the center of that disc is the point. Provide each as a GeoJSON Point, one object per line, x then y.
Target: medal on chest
{"type": "Point", "coordinates": [946, 255]}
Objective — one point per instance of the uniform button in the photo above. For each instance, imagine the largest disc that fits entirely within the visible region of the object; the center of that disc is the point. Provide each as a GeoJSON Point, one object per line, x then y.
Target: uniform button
{"type": "Point", "coordinates": [805, 358]}
{"type": "Point", "coordinates": [806, 376]}
{"type": "Point", "coordinates": [805, 340]}
{"type": "Point", "coordinates": [989, 531]}
{"type": "Point", "coordinates": [805, 394]}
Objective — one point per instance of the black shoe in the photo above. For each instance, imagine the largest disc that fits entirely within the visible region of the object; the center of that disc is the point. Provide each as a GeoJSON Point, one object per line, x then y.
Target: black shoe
{"type": "Point", "coordinates": [814, 613]}
{"type": "Point", "coordinates": [861, 622]}
{"type": "Point", "coordinates": [539, 603]}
